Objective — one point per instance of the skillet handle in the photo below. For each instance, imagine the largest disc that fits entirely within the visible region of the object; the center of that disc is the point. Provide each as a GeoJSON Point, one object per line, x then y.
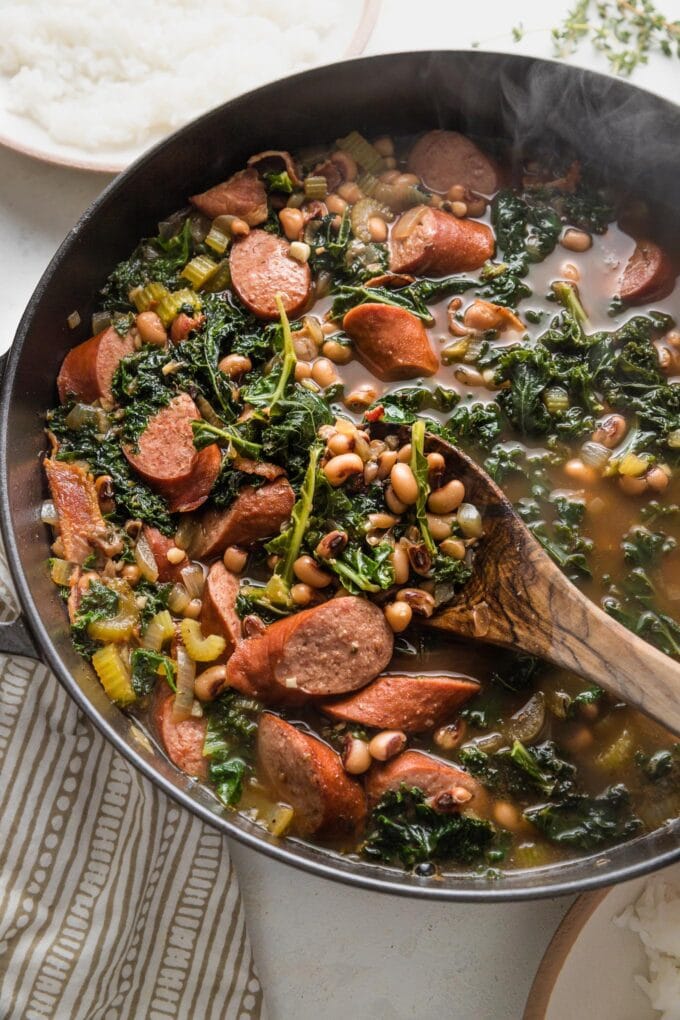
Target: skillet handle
{"type": "Point", "coordinates": [16, 639]}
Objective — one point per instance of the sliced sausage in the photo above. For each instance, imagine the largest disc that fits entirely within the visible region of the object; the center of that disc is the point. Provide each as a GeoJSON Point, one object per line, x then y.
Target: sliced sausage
{"type": "Point", "coordinates": [391, 342]}
{"type": "Point", "coordinates": [75, 499]}
{"type": "Point", "coordinates": [444, 158]}
{"type": "Point", "coordinates": [308, 775]}
{"type": "Point", "coordinates": [219, 615]}
{"type": "Point", "coordinates": [261, 267]}
{"type": "Point", "coordinates": [332, 648]}
{"type": "Point", "coordinates": [256, 513]}
{"type": "Point", "coordinates": [243, 195]}
{"type": "Point", "coordinates": [438, 780]}
{"type": "Point", "coordinates": [159, 545]}
{"type": "Point", "coordinates": [88, 369]}
{"type": "Point", "coordinates": [167, 459]}
{"type": "Point", "coordinates": [436, 243]}
{"type": "Point", "coordinates": [649, 275]}
{"type": "Point", "coordinates": [409, 703]}
{"type": "Point", "coordinates": [183, 741]}
{"type": "Point", "coordinates": [276, 161]}
{"type": "Point", "coordinates": [193, 492]}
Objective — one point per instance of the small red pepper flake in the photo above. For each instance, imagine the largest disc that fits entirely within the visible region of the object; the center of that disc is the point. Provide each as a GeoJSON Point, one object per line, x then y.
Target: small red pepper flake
{"type": "Point", "coordinates": [375, 414]}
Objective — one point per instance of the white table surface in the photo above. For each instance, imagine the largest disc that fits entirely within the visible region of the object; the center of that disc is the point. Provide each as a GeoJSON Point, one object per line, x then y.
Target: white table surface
{"type": "Point", "coordinates": [325, 950]}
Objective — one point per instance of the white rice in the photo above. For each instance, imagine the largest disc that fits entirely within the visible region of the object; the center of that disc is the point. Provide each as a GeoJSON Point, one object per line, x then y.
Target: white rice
{"type": "Point", "coordinates": [111, 73]}
{"type": "Point", "coordinates": [655, 918]}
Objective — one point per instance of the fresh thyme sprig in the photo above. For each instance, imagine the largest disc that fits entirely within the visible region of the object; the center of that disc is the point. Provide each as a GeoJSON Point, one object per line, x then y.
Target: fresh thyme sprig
{"type": "Point", "coordinates": [626, 32]}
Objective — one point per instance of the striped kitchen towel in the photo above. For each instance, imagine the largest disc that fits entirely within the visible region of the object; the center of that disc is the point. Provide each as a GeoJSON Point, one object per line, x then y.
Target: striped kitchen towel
{"type": "Point", "coordinates": [114, 902]}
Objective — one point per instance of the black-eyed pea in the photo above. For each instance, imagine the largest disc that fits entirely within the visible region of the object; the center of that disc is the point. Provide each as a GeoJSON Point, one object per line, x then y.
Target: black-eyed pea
{"type": "Point", "coordinates": [324, 373]}
{"type": "Point", "coordinates": [632, 486]}
{"type": "Point", "coordinates": [392, 502]}
{"type": "Point", "coordinates": [454, 548]}
{"type": "Point", "coordinates": [336, 205]}
{"type": "Point", "coordinates": [657, 479]}
{"type": "Point", "coordinates": [356, 757]}
{"type": "Point", "coordinates": [235, 559]}
{"type": "Point", "coordinates": [339, 354]}
{"type": "Point", "coordinates": [235, 365]}
{"type": "Point", "coordinates": [292, 222]}
{"type": "Point", "coordinates": [440, 525]}
{"type": "Point", "coordinates": [301, 594]}
{"type": "Point", "coordinates": [151, 329]}
{"type": "Point", "coordinates": [210, 683]}
{"type": "Point", "coordinates": [404, 484]}
{"type": "Point", "coordinates": [386, 462]}
{"type": "Point", "coordinates": [576, 240]}
{"type": "Point", "coordinates": [387, 744]}
{"type": "Point", "coordinates": [404, 453]}
{"type": "Point", "coordinates": [398, 616]}
{"type": "Point", "coordinates": [400, 564]}
{"type": "Point", "coordinates": [309, 572]}
{"type": "Point", "coordinates": [339, 469]}
{"type": "Point", "coordinates": [340, 443]}
{"type": "Point", "coordinates": [579, 472]}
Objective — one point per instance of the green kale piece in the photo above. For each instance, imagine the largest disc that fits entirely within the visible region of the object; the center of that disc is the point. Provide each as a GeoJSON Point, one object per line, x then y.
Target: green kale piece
{"type": "Point", "coordinates": [550, 774]}
{"type": "Point", "coordinates": [153, 260]}
{"type": "Point", "coordinates": [99, 602]}
{"type": "Point", "coordinates": [230, 743]}
{"type": "Point", "coordinates": [403, 827]}
{"type": "Point", "coordinates": [587, 822]}
{"type": "Point", "coordinates": [103, 453]}
{"type": "Point", "coordinates": [146, 666]}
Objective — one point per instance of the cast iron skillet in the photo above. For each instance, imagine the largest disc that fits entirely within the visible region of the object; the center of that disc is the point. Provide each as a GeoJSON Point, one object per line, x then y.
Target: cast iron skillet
{"type": "Point", "coordinates": [633, 136]}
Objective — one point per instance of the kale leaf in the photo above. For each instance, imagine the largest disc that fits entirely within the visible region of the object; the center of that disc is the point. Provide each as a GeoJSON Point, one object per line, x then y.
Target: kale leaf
{"type": "Point", "coordinates": [403, 827]}
{"type": "Point", "coordinates": [154, 259]}
{"type": "Point", "coordinates": [99, 602]}
{"type": "Point", "coordinates": [146, 666]}
{"type": "Point", "coordinates": [587, 822]}
{"type": "Point", "coordinates": [230, 742]}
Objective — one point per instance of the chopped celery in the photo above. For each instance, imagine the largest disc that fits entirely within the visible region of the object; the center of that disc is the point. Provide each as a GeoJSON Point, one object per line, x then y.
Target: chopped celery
{"type": "Point", "coordinates": [217, 240]}
{"type": "Point", "coordinates": [199, 271]}
{"type": "Point", "coordinates": [316, 187]}
{"type": "Point", "coordinates": [199, 648]}
{"type": "Point", "coordinates": [356, 146]}
{"type": "Point", "coordinates": [170, 305]}
{"type": "Point", "coordinates": [146, 297]}
{"type": "Point", "coordinates": [114, 675]}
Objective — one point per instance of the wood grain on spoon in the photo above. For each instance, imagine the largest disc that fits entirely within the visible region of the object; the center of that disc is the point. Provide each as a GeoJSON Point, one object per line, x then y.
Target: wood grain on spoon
{"type": "Point", "coordinates": [518, 598]}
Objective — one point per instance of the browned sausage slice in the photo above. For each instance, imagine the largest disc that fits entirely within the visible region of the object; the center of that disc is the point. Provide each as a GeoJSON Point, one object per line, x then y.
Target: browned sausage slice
{"type": "Point", "coordinates": [648, 276]}
{"type": "Point", "coordinates": [243, 195]}
{"type": "Point", "coordinates": [436, 243]}
{"type": "Point", "coordinates": [391, 342]}
{"type": "Point", "coordinates": [183, 741]}
{"type": "Point", "coordinates": [75, 499]}
{"type": "Point", "coordinates": [193, 492]}
{"type": "Point", "coordinates": [261, 266]}
{"type": "Point", "coordinates": [333, 648]}
{"type": "Point", "coordinates": [167, 459]}
{"type": "Point", "coordinates": [276, 161]}
{"type": "Point", "coordinates": [304, 772]}
{"type": "Point", "coordinates": [409, 703]}
{"type": "Point", "coordinates": [444, 158]}
{"type": "Point", "coordinates": [88, 369]}
{"type": "Point", "coordinates": [219, 615]}
{"type": "Point", "coordinates": [445, 784]}
{"type": "Point", "coordinates": [256, 513]}
{"type": "Point", "coordinates": [159, 545]}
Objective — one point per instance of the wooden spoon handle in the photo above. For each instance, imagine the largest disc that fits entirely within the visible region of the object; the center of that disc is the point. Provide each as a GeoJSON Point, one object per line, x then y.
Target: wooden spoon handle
{"type": "Point", "coordinates": [538, 610]}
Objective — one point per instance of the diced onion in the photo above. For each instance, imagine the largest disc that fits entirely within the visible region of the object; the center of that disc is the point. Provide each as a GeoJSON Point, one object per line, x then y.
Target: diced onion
{"type": "Point", "coordinates": [277, 818]}
{"type": "Point", "coordinates": [48, 513]}
{"type": "Point", "coordinates": [595, 455]}
{"type": "Point", "coordinates": [186, 677]}
{"type": "Point", "coordinates": [100, 322]}
{"type": "Point", "coordinates": [407, 223]}
{"type": "Point", "coordinates": [60, 572]}
{"type": "Point", "coordinates": [73, 320]}
{"type": "Point", "coordinates": [361, 213]}
{"type": "Point", "coordinates": [201, 649]}
{"type": "Point", "coordinates": [145, 559]}
{"type": "Point", "coordinates": [159, 630]}
{"type": "Point", "coordinates": [673, 439]}
{"type": "Point", "coordinates": [527, 723]}
{"type": "Point", "coordinates": [194, 580]}
{"type": "Point", "coordinates": [178, 599]}
{"type": "Point", "coordinates": [469, 520]}
{"type": "Point", "coordinates": [82, 415]}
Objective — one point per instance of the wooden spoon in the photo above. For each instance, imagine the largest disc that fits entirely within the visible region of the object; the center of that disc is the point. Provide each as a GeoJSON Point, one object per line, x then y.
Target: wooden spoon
{"type": "Point", "coordinates": [518, 598]}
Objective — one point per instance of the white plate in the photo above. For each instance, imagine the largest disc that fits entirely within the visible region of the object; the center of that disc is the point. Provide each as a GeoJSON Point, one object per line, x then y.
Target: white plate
{"type": "Point", "coordinates": [588, 968]}
{"type": "Point", "coordinates": [25, 136]}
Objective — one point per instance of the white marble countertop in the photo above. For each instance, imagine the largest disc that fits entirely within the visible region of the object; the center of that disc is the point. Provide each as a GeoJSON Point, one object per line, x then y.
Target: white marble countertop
{"type": "Point", "coordinates": [324, 949]}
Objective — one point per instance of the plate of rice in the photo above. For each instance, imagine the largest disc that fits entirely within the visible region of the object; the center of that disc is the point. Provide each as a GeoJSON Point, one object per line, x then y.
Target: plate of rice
{"type": "Point", "coordinates": [93, 84]}
{"type": "Point", "coordinates": [616, 956]}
